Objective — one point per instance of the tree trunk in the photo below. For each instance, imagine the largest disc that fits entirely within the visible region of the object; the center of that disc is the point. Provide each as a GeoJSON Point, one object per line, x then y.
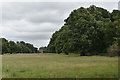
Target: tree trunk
{"type": "Point", "coordinates": [10, 52]}
{"type": "Point", "coordinates": [82, 54]}
{"type": "Point", "coordinates": [66, 53]}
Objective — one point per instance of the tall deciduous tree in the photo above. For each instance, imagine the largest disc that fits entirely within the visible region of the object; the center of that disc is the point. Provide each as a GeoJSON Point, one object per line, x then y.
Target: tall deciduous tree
{"type": "Point", "coordinates": [87, 31]}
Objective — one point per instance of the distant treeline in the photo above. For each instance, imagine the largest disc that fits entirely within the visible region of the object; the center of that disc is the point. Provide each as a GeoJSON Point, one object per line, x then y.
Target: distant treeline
{"type": "Point", "coordinates": [18, 47]}
{"type": "Point", "coordinates": [88, 31]}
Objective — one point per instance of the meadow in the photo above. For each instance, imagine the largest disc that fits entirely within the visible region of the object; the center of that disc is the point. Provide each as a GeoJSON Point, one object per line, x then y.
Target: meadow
{"type": "Point", "coordinates": [0, 67]}
{"type": "Point", "coordinates": [58, 66]}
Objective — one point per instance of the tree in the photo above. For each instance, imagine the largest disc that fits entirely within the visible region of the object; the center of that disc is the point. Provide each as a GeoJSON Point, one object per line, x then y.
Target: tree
{"type": "Point", "coordinates": [18, 47]}
{"type": "Point", "coordinates": [87, 31]}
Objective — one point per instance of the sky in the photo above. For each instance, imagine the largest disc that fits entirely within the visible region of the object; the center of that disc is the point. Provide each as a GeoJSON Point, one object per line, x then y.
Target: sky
{"type": "Point", "coordinates": [35, 22]}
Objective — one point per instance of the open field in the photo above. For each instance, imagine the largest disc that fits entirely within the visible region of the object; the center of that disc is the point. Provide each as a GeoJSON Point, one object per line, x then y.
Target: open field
{"type": "Point", "coordinates": [0, 67]}
{"type": "Point", "coordinates": [58, 66]}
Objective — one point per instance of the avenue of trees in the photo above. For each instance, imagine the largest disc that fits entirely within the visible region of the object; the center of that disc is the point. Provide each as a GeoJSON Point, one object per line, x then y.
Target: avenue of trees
{"type": "Point", "coordinates": [18, 47]}
{"type": "Point", "coordinates": [88, 31]}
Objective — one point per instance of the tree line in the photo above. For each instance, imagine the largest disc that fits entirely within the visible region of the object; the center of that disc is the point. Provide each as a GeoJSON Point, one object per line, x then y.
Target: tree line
{"type": "Point", "coordinates": [18, 47]}
{"type": "Point", "coordinates": [88, 31]}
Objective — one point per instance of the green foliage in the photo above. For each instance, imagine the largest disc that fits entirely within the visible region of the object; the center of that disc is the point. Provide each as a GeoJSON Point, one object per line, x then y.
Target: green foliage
{"type": "Point", "coordinates": [87, 31]}
{"type": "Point", "coordinates": [19, 47]}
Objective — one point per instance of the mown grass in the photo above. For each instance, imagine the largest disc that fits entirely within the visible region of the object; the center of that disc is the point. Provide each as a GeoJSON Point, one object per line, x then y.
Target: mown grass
{"type": "Point", "coordinates": [58, 66]}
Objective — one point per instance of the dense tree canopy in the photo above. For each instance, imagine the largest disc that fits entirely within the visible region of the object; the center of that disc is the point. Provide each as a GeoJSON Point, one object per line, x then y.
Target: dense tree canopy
{"type": "Point", "coordinates": [88, 31]}
{"type": "Point", "coordinates": [18, 47]}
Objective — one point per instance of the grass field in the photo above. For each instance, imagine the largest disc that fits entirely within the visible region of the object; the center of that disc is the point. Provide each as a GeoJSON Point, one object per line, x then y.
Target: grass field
{"type": "Point", "coordinates": [0, 67]}
{"type": "Point", "coordinates": [58, 66]}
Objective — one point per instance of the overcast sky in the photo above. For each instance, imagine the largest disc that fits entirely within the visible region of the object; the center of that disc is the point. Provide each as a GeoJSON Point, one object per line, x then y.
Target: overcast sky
{"type": "Point", "coordinates": [35, 22]}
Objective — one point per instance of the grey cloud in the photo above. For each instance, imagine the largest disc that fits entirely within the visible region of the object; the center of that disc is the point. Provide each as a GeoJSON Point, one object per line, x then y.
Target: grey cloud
{"type": "Point", "coordinates": [37, 12]}
{"type": "Point", "coordinates": [25, 26]}
{"type": "Point", "coordinates": [30, 36]}
{"type": "Point", "coordinates": [45, 11]}
{"type": "Point", "coordinates": [36, 36]}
